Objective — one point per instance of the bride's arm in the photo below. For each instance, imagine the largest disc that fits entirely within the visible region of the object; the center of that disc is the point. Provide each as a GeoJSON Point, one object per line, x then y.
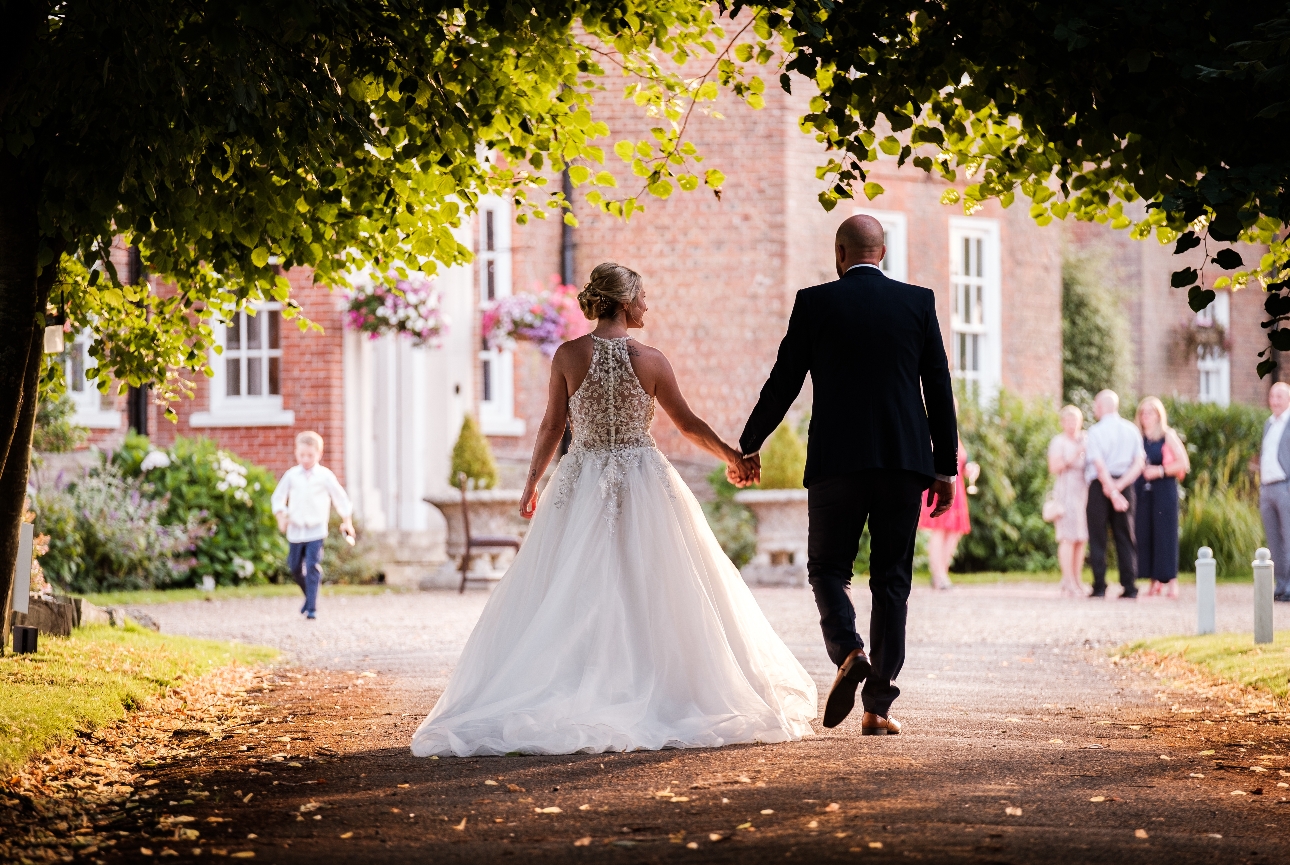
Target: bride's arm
{"type": "Point", "coordinates": [693, 427]}
{"type": "Point", "coordinates": [550, 431]}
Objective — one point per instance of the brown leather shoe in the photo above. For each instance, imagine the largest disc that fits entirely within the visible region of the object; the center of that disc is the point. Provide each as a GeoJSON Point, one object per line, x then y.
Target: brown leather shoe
{"type": "Point", "coordinates": [842, 696]}
{"type": "Point", "coordinates": [877, 725]}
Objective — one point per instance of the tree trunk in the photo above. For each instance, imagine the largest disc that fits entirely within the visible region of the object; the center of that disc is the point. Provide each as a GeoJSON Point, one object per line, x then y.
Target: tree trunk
{"type": "Point", "coordinates": [22, 308]}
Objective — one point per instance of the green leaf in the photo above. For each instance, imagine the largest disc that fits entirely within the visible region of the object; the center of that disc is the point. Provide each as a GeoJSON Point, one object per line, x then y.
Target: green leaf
{"type": "Point", "coordinates": [713, 178]}
{"type": "Point", "coordinates": [625, 150]}
{"type": "Point", "coordinates": [1188, 240]}
{"type": "Point", "coordinates": [1198, 298]}
{"type": "Point", "coordinates": [872, 190]}
{"type": "Point", "coordinates": [579, 174]}
{"type": "Point", "coordinates": [688, 182]}
{"type": "Point", "coordinates": [605, 178]}
{"type": "Point", "coordinates": [743, 52]}
{"type": "Point", "coordinates": [889, 145]}
{"type": "Point", "coordinates": [259, 256]}
{"type": "Point", "coordinates": [1228, 259]}
{"type": "Point", "coordinates": [1183, 277]}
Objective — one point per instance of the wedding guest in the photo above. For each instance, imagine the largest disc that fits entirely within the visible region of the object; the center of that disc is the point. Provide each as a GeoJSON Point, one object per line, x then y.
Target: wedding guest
{"type": "Point", "coordinates": [1115, 456]}
{"type": "Point", "coordinates": [1156, 491]}
{"type": "Point", "coordinates": [1274, 492]}
{"type": "Point", "coordinates": [945, 532]}
{"type": "Point", "coordinates": [1069, 499]}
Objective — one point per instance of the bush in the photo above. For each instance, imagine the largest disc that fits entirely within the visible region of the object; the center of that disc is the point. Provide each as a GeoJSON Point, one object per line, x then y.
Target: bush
{"type": "Point", "coordinates": [54, 431]}
{"type": "Point", "coordinates": [203, 482]}
{"type": "Point", "coordinates": [342, 563]}
{"type": "Point", "coordinates": [783, 460]}
{"type": "Point", "coordinates": [731, 522]}
{"type": "Point", "coordinates": [1223, 519]}
{"type": "Point", "coordinates": [472, 457]}
{"type": "Point", "coordinates": [107, 532]}
{"type": "Point", "coordinates": [1009, 439]}
{"type": "Point", "coordinates": [1095, 331]}
{"type": "Point", "coordinates": [1221, 441]}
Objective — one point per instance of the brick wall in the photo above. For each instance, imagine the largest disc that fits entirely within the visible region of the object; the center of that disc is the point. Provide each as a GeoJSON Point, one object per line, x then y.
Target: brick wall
{"type": "Point", "coordinates": [312, 384]}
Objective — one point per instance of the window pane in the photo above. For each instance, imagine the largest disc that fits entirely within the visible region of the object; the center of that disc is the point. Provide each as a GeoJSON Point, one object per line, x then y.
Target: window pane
{"type": "Point", "coordinates": [966, 266]}
{"type": "Point", "coordinates": [107, 401]}
{"type": "Point", "coordinates": [77, 375]}
{"type": "Point", "coordinates": [490, 242]}
{"type": "Point", "coordinates": [488, 381]}
{"type": "Point", "coordinates": [233, 333]}
{"type": "Point", "coordinates": [254, 377]}
{"type": "Point", "coordinates": [979, 257]}
{"type": "Point", "coordinates": [273, 318]}
{"type": "Point", "coordinates": [490, 280]}
{"type": "Point", "coordinates": [233, 376]}
{"type": "Point", "coordinates": [274, 366]}
{"type": "Point", "coordinates": [253, 331]}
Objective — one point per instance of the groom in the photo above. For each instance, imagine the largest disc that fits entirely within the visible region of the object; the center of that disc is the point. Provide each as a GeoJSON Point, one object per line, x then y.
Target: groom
{"type": "Point", "coordinates": [882, 432]}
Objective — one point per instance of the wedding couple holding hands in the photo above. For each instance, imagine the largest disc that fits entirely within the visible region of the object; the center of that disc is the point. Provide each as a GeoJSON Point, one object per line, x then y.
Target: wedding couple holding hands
{"type": "Point", "coordinates": [621, 624]}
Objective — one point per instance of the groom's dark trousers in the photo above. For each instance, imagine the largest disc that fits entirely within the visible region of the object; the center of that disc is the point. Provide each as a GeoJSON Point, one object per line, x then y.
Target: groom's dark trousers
{"type": "Point", "coordinates": [882, 428]}
{"type": "Point", "coordinates": [839, 506]}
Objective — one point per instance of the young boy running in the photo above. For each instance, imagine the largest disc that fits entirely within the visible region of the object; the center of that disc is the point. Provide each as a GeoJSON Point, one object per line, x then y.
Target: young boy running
{"type": "Point", "coordinates": [302, 503]}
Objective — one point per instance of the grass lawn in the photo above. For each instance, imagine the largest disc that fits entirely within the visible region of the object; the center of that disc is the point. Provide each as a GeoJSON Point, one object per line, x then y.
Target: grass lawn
{"type": "Point", "coordinates": [225, 593]}
{"type": "Point", "coordinates": [1230, 657]}
{"type": "Point", "coordinates": [980, 578]}
{"type": "Point", "coordinates": [94, 677]}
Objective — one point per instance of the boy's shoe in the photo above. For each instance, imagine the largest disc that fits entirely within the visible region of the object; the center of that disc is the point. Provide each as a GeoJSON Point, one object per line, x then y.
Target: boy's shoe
{"type": "Point", "coordinates": [311, 615]}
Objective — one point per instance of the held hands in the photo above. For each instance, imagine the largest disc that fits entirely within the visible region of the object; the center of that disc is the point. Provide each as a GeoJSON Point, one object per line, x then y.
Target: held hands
{"type": "Point", "coordinates": [941, 493]}
{"type": "Point", "coordinates": [1119, 502]}
{"type": "Point", "coordinates": [744, 471]}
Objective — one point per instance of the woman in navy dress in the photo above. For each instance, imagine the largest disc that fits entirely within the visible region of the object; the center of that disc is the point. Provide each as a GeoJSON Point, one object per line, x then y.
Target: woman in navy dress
{"type": "Point", "coordinates": [1156, 520]}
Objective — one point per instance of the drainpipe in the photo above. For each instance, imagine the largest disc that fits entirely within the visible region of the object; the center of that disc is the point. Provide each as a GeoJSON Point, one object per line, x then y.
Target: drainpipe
{"type": "Point", "coordinates": [137, 397]}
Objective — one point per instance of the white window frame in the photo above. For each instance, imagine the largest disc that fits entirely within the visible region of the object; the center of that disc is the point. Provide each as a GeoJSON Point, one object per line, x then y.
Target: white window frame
{"type": "Point", "coordinates": [895, 264]}
{"type": "Point", "coordinates": [242, 410]}
{"type": "Point", "coordinates": [496, 368]}
{"type": "Point", "coordinates": [979, 325]}
{"type": "Point", "coordinates": [88, 399]}
{"type": "Point", "coordinates": [1214, 373]}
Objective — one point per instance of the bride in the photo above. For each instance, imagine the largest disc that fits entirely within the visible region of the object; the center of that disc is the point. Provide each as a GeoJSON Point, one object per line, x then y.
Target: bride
{"type": "Point", "coordinates": [621, 624]}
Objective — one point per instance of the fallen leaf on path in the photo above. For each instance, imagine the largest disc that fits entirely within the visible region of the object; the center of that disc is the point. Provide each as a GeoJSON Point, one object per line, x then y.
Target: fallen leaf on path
{"type": "Point", "coordinates": [247, 798]}
{"type": "Point", "coordinates": [515, 788]}
{"type": "Point", "coordinates": [1206, 753]}
{"type": "Point", "coordinates": [347, 835]}
{"type": "Point", "coordinates": [814, 824]}
{"type": "Point", "coordinates": [460, 826]}
{"type": "Point", "coordinates": [243, 854]}
{"type": "Point", "coordinates": [144, 851]}
{"type": "Point", "coordinates": [489, 783]}
{"type": "Point", "coordinates": [832, 806]}
{"type": "Point", "coordinates": [554, 809]}
{"type": "Point", "coordinates": [1213, 835]}
{"type": "Point", "coordinates": [584, 807]}
{"type": "Point", "coordinates": [1195, 775]}
{"type": "Point", "coordinates": [583, 842]}
{"type": "Point", "coordinates": [679, 799]}
{"type": "Point", "coordinates": [875, 845]}
{"type": "Point", "coordinates": [744, 826]}
{"type": "Point", "coordinates": [1140, 833]}
{"type": "Point", "coordinates": [744, 779]}
{"type": "Point", "coordinates": [1097, 799]}
{"type": "Point", "coordinates": [1239, 793]}
{"type": "Point", "coordinates": [693, 845]}
{"type": "Point", "coordinates": [714, 837]}
{"type": "Point", "coordinates": [1055, 742]}
{"type": "Point", "coordinates": [768, 810]}
{"type": "Point", "coordinates": [1012, 811]}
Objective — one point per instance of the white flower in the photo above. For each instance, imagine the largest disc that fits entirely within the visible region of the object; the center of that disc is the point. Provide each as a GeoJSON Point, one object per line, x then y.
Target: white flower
{"type": "Point", "coordinates": [243, 567]}
{"type": "Point", "coordinates": [154, 460]}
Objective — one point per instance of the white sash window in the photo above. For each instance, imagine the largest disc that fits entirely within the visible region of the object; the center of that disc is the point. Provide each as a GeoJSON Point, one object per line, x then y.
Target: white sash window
{"type": "Point", "coordinates": [246, 389]}
{"type": "Point", "coordinates": [93, 409]}
{"type": "Point", "coordinates": [1215, 366]}
{"type": "Point", "coordinates": [496, 368]}
{"type": "Point", "coordinates": [975, 315]}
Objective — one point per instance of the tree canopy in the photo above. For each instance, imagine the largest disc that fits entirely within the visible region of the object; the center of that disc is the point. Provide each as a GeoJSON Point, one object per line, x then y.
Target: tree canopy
{"type": "Point", "coordinates": [1080, 107]}
{"type": "Point", "coordinates": [229, 141]}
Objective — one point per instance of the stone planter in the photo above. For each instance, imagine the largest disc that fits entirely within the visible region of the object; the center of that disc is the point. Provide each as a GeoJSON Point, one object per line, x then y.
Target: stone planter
{"type": "Point", "coordinates": [492, 512]}
{"type": "Point", "coordinates": [781, 537]}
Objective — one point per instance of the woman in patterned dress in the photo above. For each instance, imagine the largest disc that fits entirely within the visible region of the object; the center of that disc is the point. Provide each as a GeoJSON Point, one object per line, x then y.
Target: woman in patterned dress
{"type": "Point", "coordinates": [1066, 461]}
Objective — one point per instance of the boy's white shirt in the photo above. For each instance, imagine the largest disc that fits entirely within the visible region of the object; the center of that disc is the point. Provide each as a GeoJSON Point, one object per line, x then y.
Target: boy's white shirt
{"type": "Point", "coordinates": [307, 497]}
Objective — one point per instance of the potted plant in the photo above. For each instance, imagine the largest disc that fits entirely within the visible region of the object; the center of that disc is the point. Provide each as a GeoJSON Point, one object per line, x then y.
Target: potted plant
{"type": "Point", "coordinates": [492, 511]}
{"type": "Point", "coordinates": [779, 505]}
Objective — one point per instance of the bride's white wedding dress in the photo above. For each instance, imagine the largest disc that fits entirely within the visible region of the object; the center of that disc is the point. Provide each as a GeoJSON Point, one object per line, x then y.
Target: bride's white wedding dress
{"type": "Point", "coordinates": [621, 624]}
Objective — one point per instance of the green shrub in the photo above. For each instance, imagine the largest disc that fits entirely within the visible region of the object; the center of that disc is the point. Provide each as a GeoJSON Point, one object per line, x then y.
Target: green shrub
{"type": "Point", "coordinates": [783, 460]}
{"type": "Point", "coordinates": [342, 563]}
{"type": "Point", "coordinates": [732, 523]}
{"type": "Point", "coordinates": [204, 482]}
{"type": "Point", "coordinates": [472, 457]}
{"type": "Point", "coordinates": [1221, 441]}
{"type": "Point", "coordinates": [1095, 330]}
{"type": "Point", "coordinates": [54, 431]}
{"type": "Point", "coordinates": [1224, 520]}
{"type": "Point", "coordinates": [107, 532]}
{"type": "Point", "coordinates": [1009, 439]}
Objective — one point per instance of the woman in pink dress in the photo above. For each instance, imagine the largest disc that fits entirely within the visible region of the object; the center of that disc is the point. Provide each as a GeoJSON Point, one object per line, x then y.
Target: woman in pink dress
{"type": "Point", "coordinates": [943, 532]}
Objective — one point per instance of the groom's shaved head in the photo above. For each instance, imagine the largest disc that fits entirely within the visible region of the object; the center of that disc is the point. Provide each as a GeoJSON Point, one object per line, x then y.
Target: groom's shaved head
{"type": "Point", "coordinates": [860, 240]}
{"type": "Point", "coordinates": [861, 234]}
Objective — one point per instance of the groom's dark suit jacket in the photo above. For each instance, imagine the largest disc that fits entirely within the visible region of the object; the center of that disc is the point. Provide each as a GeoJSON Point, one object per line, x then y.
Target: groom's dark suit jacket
{"type": "Point", "coordinates": [874, 351]}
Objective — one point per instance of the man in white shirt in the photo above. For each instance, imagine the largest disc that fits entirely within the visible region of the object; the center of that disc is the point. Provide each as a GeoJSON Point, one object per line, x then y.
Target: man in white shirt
{"type": "Point", "coordinates": [302, 502]}
{"type": "Point", "coordinates": [1115, 459]}
{"type": "Point", "coordinates": [1274, 491]}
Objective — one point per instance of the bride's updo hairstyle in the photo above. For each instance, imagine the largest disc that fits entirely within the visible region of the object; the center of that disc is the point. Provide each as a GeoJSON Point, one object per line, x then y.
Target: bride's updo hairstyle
{"type": "Point", "coordinates": [612, 287]}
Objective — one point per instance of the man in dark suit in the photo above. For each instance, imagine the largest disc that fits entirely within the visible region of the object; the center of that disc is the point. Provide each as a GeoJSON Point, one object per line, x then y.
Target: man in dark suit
{"type": "Point", "coordinates": [883, 431]}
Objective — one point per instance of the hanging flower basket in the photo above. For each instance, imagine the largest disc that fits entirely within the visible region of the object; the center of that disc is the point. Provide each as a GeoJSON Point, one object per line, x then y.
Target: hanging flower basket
{"type": "Point", "coordinates": [411, 307]}
{"type": "Point", "coordinates": [546, 317]}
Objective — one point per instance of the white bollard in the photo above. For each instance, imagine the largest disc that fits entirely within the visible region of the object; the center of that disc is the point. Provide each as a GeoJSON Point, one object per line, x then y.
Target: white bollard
{"type": "Point", "coordinates": [1263, 585]}
{"type": "Point", "coordinates": [22, 569]}
{"type": "Point", "coordinates": [208, 583]}
{"type": "Point", "coordinates": [1205, 589]}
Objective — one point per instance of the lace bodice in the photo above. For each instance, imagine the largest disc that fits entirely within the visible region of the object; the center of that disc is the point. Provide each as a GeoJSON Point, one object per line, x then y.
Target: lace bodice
{"type": "Point", "coordinates": [610, 410]}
